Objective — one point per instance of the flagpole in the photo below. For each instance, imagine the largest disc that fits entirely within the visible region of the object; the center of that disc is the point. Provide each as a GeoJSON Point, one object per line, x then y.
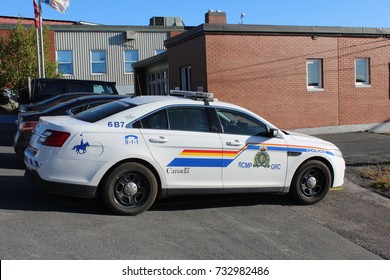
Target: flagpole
{"type": "Point", "coordinates": [41, 40]}
{"type": "Point", "coordinates": [38, 54]}
{"type": "Point", "coordinates": [36, 22]}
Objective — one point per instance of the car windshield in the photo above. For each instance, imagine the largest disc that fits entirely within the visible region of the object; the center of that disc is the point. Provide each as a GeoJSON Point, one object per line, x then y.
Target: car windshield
{"type": "Point", "coordinates": [104, 111]}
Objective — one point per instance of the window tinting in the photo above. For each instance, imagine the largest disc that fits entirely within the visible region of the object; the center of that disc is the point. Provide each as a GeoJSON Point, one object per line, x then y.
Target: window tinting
{"type": "Point", "coordinates": [188, 119]}
{"type": "Point", "coordinates": [157, 120]}
{"type": "Point", "coordinates": [234, 122]}
{"type": "Point", "coordinates": [104, 111]}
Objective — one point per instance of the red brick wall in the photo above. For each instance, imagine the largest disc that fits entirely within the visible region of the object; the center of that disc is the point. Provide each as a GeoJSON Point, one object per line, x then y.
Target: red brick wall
{"type": "Point", "coordinates": [267, 74]}
{"type": "Point", "coordinates": [368, 104]}
{"type": "Point", "coordinates": [188, 53]}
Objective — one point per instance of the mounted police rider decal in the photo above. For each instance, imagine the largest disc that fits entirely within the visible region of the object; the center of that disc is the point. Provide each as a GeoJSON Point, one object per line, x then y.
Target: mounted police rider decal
{"type": "Point", "coordinates": [82, 148]}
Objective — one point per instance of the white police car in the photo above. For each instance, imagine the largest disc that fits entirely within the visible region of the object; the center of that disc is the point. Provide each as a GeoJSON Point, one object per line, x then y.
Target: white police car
{"type": "Point", "coordinates": [137, 149]}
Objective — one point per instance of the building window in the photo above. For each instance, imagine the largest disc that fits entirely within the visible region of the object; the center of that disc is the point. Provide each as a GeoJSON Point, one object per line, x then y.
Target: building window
{"type": "Point", "coordinates": [362, 71]}
{"type": "Point", "coordinates": [158, 82]}
{"type": "Point", "coordinates": [131, 56]}
{"type": "Point", "coordinates": [185, 78]}
{"type": "Point", "coordinates": [65, 62]}
{"type": "Point", "coordinates": [99, 61]}
{"type": "Point", "coordinates": [314, 74]}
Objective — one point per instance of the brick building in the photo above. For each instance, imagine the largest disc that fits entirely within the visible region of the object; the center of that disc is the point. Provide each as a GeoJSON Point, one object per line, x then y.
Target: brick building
{"type": "Point", "coordinates": [294, 76]}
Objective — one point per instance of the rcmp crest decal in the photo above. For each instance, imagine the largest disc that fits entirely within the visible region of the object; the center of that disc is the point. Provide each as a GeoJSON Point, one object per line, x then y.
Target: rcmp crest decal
{"type": "Point", "coordinates": [262, 158]}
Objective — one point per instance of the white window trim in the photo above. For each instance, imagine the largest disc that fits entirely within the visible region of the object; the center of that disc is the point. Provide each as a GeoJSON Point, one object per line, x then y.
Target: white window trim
{"type": "Point", "coordinates": [319, 63]}
{"type": "Point", "coordinates": [128, 61]}
{"type": "Point", "coordinates": [367, 73]}
{"type": "Point", "coordinates": [92, 62]}
{"type": "Point", "coordinates": [71, 63]}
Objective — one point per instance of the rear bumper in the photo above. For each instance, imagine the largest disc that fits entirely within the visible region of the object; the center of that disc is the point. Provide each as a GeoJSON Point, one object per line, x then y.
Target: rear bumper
{"type": "Point", "coordinates": [60, 188]}
{"type": "Point", "coordinates": [21, 142]}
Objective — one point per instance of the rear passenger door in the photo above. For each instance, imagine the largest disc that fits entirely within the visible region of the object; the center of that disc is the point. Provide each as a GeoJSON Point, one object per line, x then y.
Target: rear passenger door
{"type": "Point", "coordinates": [181, 140]}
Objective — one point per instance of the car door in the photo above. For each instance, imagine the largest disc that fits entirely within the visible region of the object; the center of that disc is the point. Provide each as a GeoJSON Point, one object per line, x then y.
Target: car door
{"type": "Point", "coordinates": [180, 140]}
{"type": "Point", "coordinates": [252, 158]}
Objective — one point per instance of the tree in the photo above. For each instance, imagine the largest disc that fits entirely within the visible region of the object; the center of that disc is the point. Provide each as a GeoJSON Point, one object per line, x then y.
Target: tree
{"type": "Point", "coordinates": [18, 57]}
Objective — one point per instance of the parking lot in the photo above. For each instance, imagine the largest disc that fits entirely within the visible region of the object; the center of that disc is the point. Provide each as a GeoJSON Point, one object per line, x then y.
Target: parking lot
{"type": "Point", "coordinates": [351, 223]}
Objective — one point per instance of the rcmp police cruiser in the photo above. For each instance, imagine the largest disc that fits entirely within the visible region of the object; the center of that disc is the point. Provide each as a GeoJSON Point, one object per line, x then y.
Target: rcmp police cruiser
{"type": "Point", "coordinates": [134, 150]}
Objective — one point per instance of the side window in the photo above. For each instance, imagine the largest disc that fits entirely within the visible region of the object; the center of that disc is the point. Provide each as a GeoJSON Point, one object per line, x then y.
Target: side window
{"type": "Point", "coordinates": [188, 119]}
{"type": "Point", "coordinates": [314, 74]}
{"type": "Point", "coordinates": [362, 72]}
{"type": "Point", "coordinates": [99, 62]}
{"type": "Point", "coordinates": [85, 107]}
{"type": "Point", "coordinates": [65, 62]}
{"type": "Point", "coordinates": [78, 109]}
{"type": "Point", "coordinates": [156, 120]}
{"type": "Point", "coordinates": [131, 56]}
{"type": "Point", "coordinates": [234, 122]}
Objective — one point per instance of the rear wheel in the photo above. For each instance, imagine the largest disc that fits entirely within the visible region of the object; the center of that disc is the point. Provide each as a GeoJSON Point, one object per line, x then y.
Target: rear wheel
{"type": "Point", "coordinates": [311, 182]}
{"type": "Point", "coordinates": [130, 189]}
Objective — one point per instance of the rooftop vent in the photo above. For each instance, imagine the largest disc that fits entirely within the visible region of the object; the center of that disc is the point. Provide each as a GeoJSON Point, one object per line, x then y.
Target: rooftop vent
{"type": "Point", "coordinates": [166, 21]}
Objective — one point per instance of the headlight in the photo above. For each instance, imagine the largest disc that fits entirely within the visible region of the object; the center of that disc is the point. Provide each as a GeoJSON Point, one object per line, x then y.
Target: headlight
{"type": "Point", "coordinates": [337, 152]}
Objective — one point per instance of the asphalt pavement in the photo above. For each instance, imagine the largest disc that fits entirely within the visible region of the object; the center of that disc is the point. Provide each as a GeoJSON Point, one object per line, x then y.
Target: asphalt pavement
{"type": "Point", "coordinates": [350, 223]}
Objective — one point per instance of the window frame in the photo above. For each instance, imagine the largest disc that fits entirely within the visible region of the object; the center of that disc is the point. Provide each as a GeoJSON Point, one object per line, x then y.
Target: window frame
{"type": "Point", "coordinates": [129, 62]}
{"type": "Point", "coordinates": [104, 62]}
{"type": "Point", "coordinates": [185, 77]}
{"type": "Point", "coordinates": [66, 63]}
{"type": "Point", "coordinates": [319, 68]}
{"type": "Point", "coordinates": [367, 72]}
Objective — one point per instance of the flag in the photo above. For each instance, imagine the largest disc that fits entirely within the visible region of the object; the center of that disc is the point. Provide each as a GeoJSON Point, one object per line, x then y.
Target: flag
{"type": "Point", "coordinates": [36, 13]}
{"type": "Point", "coordinates": [59, 5]}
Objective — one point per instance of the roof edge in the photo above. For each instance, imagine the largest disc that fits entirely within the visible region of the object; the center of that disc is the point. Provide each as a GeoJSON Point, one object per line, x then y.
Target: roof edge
{"type": "Point", "coordinates": [282, 30]}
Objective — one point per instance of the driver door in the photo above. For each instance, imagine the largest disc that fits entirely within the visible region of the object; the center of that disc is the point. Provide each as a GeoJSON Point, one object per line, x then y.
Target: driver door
{"type": "Point", "coordinates": [252, 158]}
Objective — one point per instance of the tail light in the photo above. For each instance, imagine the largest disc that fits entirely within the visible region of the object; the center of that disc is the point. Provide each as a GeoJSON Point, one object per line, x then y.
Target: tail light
{"type": "Point", "coordinates": [27, 126]}
{"type": "Point", "coordinates": [53, 138]}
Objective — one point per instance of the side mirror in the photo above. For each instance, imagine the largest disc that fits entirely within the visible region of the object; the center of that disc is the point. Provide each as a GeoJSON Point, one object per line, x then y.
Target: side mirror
{"type": "Point", "coordinates": [273, 132]}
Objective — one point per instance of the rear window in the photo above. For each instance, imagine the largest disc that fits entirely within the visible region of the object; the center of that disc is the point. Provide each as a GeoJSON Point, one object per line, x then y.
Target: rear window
{"type": "Point", "coordinates": [104, 111]}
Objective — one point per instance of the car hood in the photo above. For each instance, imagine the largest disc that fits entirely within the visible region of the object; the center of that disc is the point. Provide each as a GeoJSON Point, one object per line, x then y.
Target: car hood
{"type": "Point", "coordinates": [294, 138]}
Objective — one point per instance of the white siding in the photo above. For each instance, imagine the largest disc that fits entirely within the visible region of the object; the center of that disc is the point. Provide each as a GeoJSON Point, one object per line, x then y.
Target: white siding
{"type": "Point", "coordinates": [114, 43]}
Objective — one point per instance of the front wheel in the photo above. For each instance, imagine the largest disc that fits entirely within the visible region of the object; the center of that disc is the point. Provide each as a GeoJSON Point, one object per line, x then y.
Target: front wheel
{"type": "Point", "coordinates": [130, 189]}
{"type": "Point", "coordinates": [311, 182]}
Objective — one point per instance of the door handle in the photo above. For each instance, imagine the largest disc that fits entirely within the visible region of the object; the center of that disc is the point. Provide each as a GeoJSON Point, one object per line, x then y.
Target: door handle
{"type": "Point", "coordinates": [160, 139]}
{"type": "Point", "coordinates": [235, 143]}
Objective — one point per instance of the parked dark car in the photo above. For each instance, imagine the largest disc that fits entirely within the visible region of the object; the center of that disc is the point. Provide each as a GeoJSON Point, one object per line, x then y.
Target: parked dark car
{"type": "Point", "coordinates": [26, 122]}
{"type": "Point", "coordinates": [47, 103]}
{"type": "Point", "coordinates": [44, 88]}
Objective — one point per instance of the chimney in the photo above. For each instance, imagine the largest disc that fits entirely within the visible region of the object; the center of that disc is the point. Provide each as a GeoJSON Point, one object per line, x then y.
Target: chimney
{"type": "Point", "coordinates": [215, 17]}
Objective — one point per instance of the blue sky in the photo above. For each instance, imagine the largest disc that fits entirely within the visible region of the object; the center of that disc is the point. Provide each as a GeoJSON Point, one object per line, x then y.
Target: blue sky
{"type": "Point", "coordinates": [350, 13]}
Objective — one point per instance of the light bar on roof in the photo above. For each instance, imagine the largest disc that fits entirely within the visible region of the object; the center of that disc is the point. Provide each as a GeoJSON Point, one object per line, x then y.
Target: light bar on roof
{"type": "Point", "coordinates": [192, 94]}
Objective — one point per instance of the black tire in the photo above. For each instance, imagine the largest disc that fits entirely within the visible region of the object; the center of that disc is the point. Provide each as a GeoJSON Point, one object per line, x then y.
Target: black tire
{"type": "Point", "coordinates": [130, 189]}
{"type": "Point", "coordinates": [311, 182]}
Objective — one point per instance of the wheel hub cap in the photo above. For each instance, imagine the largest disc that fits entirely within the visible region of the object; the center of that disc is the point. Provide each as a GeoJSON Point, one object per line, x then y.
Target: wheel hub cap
{"type": "Point", "coordinates": [311, 182]}
{"type": "Point", "coordinates": [130, 189]}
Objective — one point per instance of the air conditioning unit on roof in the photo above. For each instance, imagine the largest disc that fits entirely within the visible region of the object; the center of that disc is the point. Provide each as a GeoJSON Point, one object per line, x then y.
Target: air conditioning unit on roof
{"type": "Point", "coordinates": [131, 35]}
